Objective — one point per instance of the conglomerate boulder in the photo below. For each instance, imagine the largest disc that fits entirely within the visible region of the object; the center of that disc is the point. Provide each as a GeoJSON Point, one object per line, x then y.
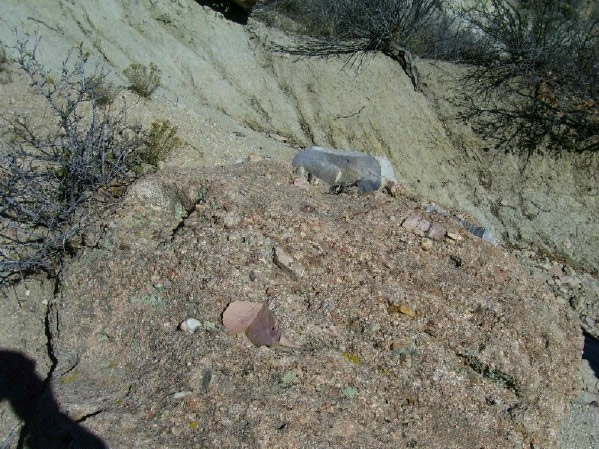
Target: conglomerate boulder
{"type": "Point", "coordinates": [404, 342]}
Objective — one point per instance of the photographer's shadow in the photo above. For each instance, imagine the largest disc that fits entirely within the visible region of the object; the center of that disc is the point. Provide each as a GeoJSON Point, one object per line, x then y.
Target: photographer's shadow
{"type": "Point", "coordinates": [591, 353]}
{"type": "Point", "coordinates": [45, 426]}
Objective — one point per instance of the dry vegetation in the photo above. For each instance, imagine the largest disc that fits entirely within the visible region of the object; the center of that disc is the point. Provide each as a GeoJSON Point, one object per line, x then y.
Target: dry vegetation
{"type": "Point", "coordinates": [54, 186]}
{"type": "Point", "coordinates": [533, 83]}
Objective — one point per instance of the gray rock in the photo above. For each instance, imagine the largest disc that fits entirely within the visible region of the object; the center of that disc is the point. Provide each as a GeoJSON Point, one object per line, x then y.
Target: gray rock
{"type": "Point", "coordinates": [287, 263]}
{"type": "Point", "coordinates": [333, 166]}
{"type": "Point", "coordinates": [416, 225]}
{"type": "Point", "coordinates": [182, 394]}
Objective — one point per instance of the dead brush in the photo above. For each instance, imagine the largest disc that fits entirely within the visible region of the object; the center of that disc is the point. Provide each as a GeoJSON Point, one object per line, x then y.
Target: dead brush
{"type": "Point", "coordinates": [54, 186]}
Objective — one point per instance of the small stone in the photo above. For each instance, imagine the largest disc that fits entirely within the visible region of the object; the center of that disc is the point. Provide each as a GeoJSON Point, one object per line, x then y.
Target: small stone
{"type": "Point", "coordinates": [561, 300]}
{"type": "Point", "coordinates": [416, 225]}
{"type": "Point", "coordinates": [556, 281]}
{"type": "Point", "coordinates": [406, 359]}
{"type": "Point", "coordinates": [397, 345]}
{"type": "Point", "coordinates": [590, 322]}
{"type": "Point", "coordinates": [426, 244]}
{"type": "Point", "coordinates": [287, 263]}
{"type": "Point", "coordinates": [230, 220]}
{"type": "Point", "coordinates": [500, 274]}
{"type": "Point", "coordinates": [437, 232]}
{"type": "Point", "coordinates": [403, 309]}
{"type": "Point", "coordinates": [407, 310]}
{"type": "Point", "coordinates": [395, 189]}
{"type": "Point", "coordinates": [575, 302]}
{"type": "Point", "coordinates": [182, 394]}
{"type": "Point", "coordinates": [300, 172]}
{"type": "Point", "coordinates": [252, 275]}
{"type": "Point", "coordinates": [27, 292]}
{"type": "Point", "coordinates": [253, 157]}
{"type": "Point", "coordinates": [300, 181]}
{"type": "Point", "coordinates": [190, 325]}
{"type": "Point", "coordinates": [455, 236]}
{"type": "Point", "coordinates": [556, 271]}
{"type": "Point", "coordinates": [571, 281]}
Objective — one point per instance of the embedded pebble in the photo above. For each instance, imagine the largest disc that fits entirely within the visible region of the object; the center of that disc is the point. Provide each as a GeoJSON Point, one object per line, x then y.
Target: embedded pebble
{"type": "Point", "coordinates": [437, 232]}
{"type": "Point", "coordinates": [426, 244]}
{"type": "Point", "coordinates": [287, 263]}
{"type": "Point", "coordinates": [302, 182]}
{"type": "Point", "coordinates": [395, 189]}
{"type": "Point", "coordinates": [403, 309]}
{"type": "Point", "coordinates": [182, 394]}
{"type": "Point", "coordinates": [455, 236]}
{"type": "Point", "coordinates": [253, 157]}
{"type": "Point", "coordinates": [416, 225]}
{"type": "Point", "coordinates": [190, 325]}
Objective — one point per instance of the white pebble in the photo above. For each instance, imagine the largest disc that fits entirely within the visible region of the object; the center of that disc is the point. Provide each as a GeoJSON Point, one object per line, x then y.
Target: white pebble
{"type": "Point", "coordinates": [189, 325]}
{"type": "Point", "coordinates": [182, 394]}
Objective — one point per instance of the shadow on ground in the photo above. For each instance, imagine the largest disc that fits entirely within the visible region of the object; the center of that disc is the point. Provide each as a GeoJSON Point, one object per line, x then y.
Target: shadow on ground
{"type": "Point", "coordinates": [591, 353]}
{"type": "Point", "coordinates": [229, 10]}
{"type": "Point", "coordinates": [45, 426]}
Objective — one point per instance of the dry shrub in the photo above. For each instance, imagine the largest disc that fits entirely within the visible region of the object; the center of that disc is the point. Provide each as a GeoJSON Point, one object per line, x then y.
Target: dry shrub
{"type": "Point", "coordinates": [53, 186]}
{"type": "Point", "coordinates": [143, 80]}
{"type": "Point", "coordinates": [159, 141]}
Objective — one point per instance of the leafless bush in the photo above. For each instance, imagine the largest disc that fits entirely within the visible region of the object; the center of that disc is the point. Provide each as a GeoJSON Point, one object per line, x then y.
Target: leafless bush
{"type": "Point", "coordinates": [52, 186]}
{"type": "Point", "coordinates": [355, 28]}
{"type": "Point", "coordinates": [534, 76]}
{"type": "Point", "coordinates": [535, 80]}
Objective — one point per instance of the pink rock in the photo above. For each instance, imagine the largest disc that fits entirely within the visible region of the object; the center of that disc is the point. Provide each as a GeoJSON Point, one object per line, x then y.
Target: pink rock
{"type": "Point", "coordinates": [302, 182]}
{"type": "Point", "coordinates": [416, 225]}
{"type": "Point", "coordinates": [437, 232]}
{"type": "Point", "coordinates": [255, 319]}
{"type": "Point", "coordinates": [500, 274]}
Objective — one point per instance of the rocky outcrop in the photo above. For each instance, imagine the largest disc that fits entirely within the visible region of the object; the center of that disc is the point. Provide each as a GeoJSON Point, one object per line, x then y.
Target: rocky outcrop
{"type": "Point", "coordinates": [449, 344]}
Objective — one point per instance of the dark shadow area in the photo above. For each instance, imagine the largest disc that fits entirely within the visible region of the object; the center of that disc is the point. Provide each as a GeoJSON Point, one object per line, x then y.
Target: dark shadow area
{"type": "Point", "coordinates": [230, 10]}
{"type": "Point", "coordinates": [591, 353]}
{"type": "Point", "coordinates": [46, 427]}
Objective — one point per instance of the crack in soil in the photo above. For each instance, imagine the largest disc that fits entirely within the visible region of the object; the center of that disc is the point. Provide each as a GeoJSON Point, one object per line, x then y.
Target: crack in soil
{"type": "Point", "coordinates": [89, 415]}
